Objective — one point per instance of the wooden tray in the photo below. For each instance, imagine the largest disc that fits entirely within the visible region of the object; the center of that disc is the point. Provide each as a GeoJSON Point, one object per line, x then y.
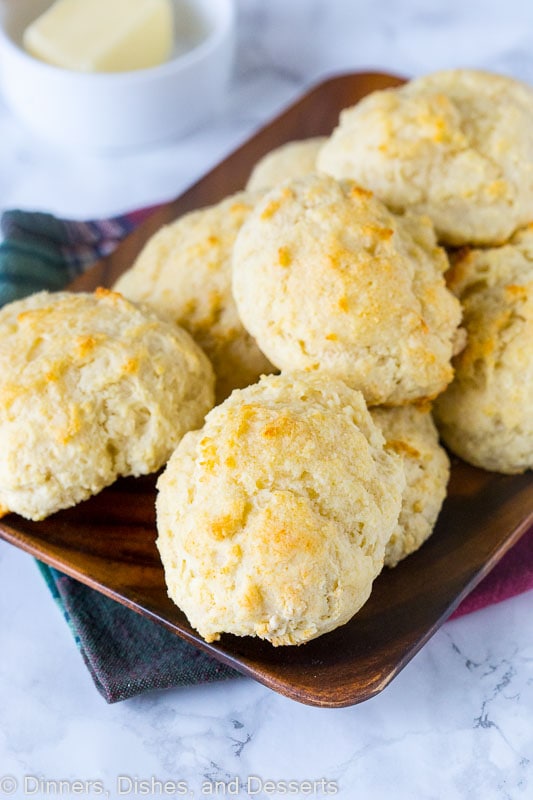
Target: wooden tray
{"type": "Point", "coordinates": [108, 541]}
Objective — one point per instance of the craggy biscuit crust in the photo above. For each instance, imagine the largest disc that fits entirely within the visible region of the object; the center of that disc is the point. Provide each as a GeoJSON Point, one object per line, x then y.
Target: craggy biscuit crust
{"type": "Point", "coordinates": [486, 414]}
{"type": "Point", "coordinates": [184, 273]}
{"type": "Point", "coordinates": [267, 527]}
{"type": "Point", "coordinates": [411, 433]}
{"type": "Point", "coordinates": [291, 160]}
{"type": "Point", "coordinates": [91, 388]}
{"type": "Point", "coordinates": [327, 279]}
{"type": "Point", "coordinates": [456, 145]}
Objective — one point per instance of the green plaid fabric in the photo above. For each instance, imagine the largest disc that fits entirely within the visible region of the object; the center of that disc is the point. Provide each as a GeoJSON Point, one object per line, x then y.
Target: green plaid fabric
{"type": "Point", "coordinates": [38, 251]}
{"type": "Point", "coordinates": [125, 653]}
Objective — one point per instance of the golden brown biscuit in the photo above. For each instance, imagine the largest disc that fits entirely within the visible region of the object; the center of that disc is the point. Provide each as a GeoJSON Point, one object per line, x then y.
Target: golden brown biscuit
{"type": "Point", "coordinates": [326, 278]}
{"type": "Point", "coordinates": [267, 526]}
{"type": "Point", "coordinates": [91, 388]}
{"type": "Point", "coordinates": [184, 273]}
{"type": "Point", "coordinates": [486, 414]}
{"type": "Point", "coordinates": [456, 145]}
{"type": "Point", "coordinates": [291, 160]}
{"type": "Point", "coordinates": [411, 433]}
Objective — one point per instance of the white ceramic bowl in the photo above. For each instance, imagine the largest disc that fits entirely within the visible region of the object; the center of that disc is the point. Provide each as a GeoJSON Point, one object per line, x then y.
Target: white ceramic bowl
{"type": "Point", "coordinates": [124, 109]}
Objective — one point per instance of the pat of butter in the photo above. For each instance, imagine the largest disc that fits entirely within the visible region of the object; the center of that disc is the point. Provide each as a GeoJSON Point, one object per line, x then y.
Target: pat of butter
{"type": "Point", "coordinates": [103, 35]}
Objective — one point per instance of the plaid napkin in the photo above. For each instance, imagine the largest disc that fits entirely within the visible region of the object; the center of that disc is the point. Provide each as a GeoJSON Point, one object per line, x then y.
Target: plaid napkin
{"type": "Point", "coordinates": [125, 653]}
{"type": "Point", "coordinates": [39, 251]}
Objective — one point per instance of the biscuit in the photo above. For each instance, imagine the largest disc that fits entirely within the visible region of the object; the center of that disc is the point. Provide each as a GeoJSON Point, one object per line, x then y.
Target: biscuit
{"type": "Point", "coordinates": [184, 273]}
{"type": "Point", "coordinates": [91, 388]}
{"type": "Point", "coordinates": [486, 414]}
{"type": "Point", "coordinates": [326, 278]}
{"type": "Point", "coordinates": [456, 145]}
{"type": "Point", "coordinates": [411, 433]}
{"type": "Point", "coordinates": [291, 160]}
{"type": "Point", "coordinates": [267, 527]}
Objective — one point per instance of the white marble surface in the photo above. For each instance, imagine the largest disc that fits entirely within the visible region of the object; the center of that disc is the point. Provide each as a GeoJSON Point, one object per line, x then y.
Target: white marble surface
{"type": "Point", "coordinates": [457, 722]}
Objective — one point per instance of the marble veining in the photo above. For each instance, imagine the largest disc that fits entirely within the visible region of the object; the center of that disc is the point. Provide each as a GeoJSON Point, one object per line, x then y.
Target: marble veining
{"type": "Point", "coordinates": [457, 722]}
{"type": "Point", "coordinates": [464, 701]}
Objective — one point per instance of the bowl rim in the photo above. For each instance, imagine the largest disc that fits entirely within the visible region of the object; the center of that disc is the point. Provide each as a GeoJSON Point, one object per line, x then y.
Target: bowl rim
{"type": "Point", "coordinates": [222, 12]}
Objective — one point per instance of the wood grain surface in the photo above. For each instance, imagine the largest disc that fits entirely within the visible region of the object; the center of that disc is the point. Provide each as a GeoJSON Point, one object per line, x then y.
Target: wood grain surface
{"type": "Point", "coordinates": [108, 542]}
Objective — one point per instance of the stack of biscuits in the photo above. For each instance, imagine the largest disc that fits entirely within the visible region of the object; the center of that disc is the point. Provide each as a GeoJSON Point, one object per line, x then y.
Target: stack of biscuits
{"type": "Point", "coordinates": [363, 293]}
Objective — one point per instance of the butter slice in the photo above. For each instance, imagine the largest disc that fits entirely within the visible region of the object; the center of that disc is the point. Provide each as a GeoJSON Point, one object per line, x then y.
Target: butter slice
{"type": "Point", "coordinates": [103, 35]}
